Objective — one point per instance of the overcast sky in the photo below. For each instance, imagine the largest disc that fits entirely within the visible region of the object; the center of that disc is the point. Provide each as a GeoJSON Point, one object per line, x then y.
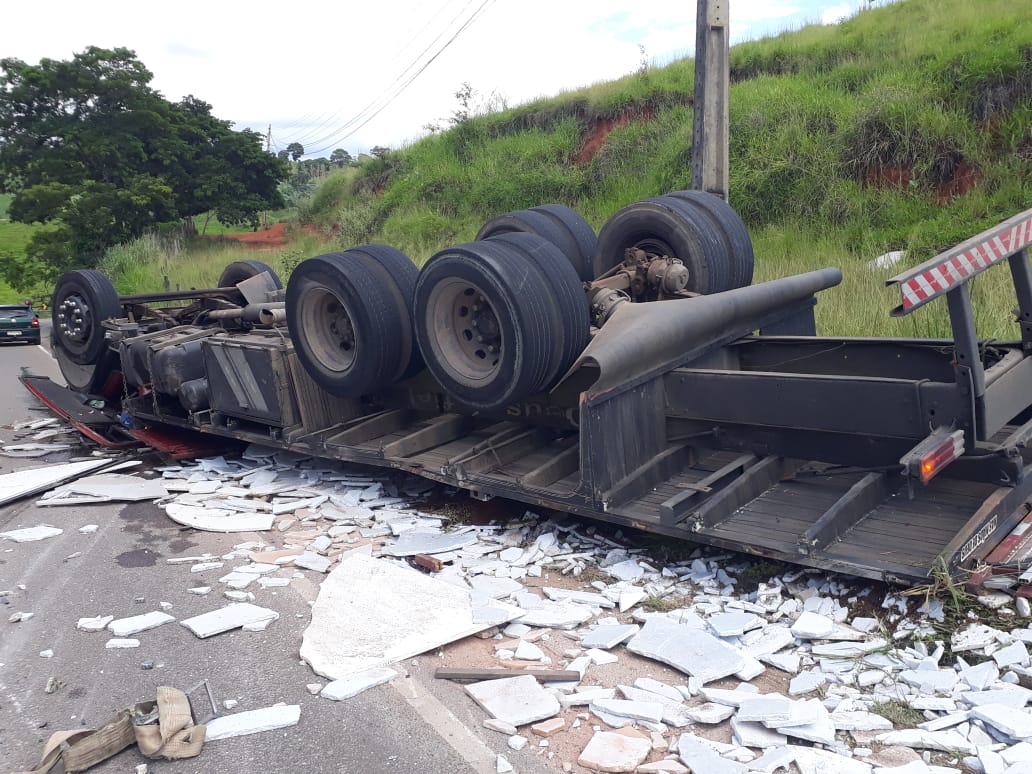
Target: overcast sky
{"type": "Point", "coordinates": [330, 75]}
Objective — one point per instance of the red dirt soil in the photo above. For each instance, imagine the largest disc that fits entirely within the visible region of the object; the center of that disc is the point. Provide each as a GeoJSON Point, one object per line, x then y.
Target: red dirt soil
{"type": "Point", "coordinates": [268, 238]}
{"type": "Point", "coordinates": [594, 137]}
{"type": "Point", "coordinates": [273, 236]}
{"type": "Point", "coordinates": [966, 177]}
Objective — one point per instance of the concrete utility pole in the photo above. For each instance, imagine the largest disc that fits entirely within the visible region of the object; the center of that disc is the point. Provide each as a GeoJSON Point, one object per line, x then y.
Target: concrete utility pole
{"type": "Point", "coordinates": [268, 149]}
{"type": "Point", "coordinates": [712, 84]}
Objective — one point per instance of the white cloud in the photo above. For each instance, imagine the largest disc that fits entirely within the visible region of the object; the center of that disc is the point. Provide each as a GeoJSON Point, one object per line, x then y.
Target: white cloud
{"type": "Point", "coordinates": [309, 67]}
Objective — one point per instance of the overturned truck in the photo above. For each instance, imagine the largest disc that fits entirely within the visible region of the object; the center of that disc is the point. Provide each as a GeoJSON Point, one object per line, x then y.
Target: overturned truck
{"type": "Point", "coordinates": [635, 376]}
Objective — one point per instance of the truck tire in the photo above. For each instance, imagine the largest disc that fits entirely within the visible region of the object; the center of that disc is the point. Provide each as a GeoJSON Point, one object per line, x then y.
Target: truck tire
{"type": "Point", "coordinates": [567, 292]}
{"type": "Point", "coordinates": [666, 225]}
{"type": "Point", "coordinates": [350, 324]}
{"type": "Point", "coordinates": [82, 301]}
{"type": "Point", "coordinates": [97, 378]}
{"type": "Point", "coordinates": [238, 271]}
{"type": "Point", "coordinates": [732, 229]}
{"type": "Point", "coordinates": [563, 227]}
{"type": "Point", "coordinates": [403, 274]}
{"type": "Point", "coordinates": [485, 324]}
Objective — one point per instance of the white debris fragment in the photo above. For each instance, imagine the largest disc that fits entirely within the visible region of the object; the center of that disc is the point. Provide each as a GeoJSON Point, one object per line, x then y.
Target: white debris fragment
{"type": "Point", "coordinates": [88, 529]}
{"type": "Point", "coordinates": [690, 650]}
{"type": "Point", "coordinates": [31, 534]}
{"type": "Point", "coordinates": [118, 643]}
{"type": "Point", "coordinates": [232, 616]}
{"type": "Point", "coordinates": [105, 487]}
{"type": "Point", "coordinates": [352, 685]}
{"type": "Point", "coordinates": [313, 561]}
{"type": "Point", "coordinates": [611, 751]}
{"type": "Point", "coordinates": [412, 543]}
{"type": "Point", "coordinates": [1015, 723]}
{"type": "Point", "coordinates": [556, 615]}
{"type": "Point", "coordinates": [515, 700]}
{"type": "Point", "coordinates": [217, 519]}
{"type": "Point", "coordinates": [203, 566]}
{"type": "Point", "coordinates": [811, 626]}
{"type": "Point", "coordinates": [253, 722]}
{"type": "Point", "coordinates": [97, 624]}
{"type": "Point", "coordinates": [123, 627]}
{"type": "Point", "coordinates": [349, 632]}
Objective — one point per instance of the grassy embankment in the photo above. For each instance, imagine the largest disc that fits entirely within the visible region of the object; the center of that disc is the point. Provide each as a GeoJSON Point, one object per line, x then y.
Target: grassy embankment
{"type": "Point", "coordinates": [13, 238]}
{"type": "Point", "coordinates": [905, 127]}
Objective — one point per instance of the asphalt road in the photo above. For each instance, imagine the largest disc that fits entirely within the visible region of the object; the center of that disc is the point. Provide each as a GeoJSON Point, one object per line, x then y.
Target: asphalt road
{"type": "Point", "coordinates": [410, 725]}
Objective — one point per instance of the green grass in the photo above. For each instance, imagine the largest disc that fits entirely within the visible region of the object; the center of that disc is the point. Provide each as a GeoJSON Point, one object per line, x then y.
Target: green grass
{"type": "Point", "coordinates": [142, 265]}
{"type": "Point", "coordinates": [14, 237]}
{"type": "Point", "coordinates": [5, 202]}
{"type": "Point", "coordinates": [900, 713]}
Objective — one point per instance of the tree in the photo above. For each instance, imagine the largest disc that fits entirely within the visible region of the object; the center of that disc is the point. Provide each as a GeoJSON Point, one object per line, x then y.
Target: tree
{"type": "Point", "coordinates": [89, 147]}
{"type": "Point", "coordinates": [379, 151]}
{"type": "Point", "coordinates": [465, 95]}
{"type": "Point", "coordinates": [296, 150]}
{"type": "Point", "coordinates": [341, 157]}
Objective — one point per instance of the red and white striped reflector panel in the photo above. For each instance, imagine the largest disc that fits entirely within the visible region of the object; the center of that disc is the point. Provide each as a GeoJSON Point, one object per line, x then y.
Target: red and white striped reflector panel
{"type": "Point", "coordinates": [957, 265]}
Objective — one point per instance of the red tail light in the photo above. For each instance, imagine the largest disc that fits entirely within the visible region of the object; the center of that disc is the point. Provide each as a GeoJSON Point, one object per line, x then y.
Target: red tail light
{"type": "Point", "coordinates": [35, 322]}
{"type": "Point", "coordinates": [933, 454]}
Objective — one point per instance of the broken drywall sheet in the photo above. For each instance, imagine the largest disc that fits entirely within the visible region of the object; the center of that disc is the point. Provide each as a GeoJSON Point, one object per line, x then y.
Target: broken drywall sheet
{"type": "Point", "coordinates": [23, 483]}
{"type": "Point", "coordinates": [218, 519]}
{"type": "Point", "coordinates": [372, 612]}
{"type": "Point", "coordinates": [229, 617]}
{"type": "Point", "coordinates": [33, 449]}
{"type": "Point", "coordinates": [412, 543]}
{"type": "Point", "coordinates": [105, 487]}
{"type": "Point", "coordinates": [253, 722]}
{"type": "Point", "coordinates": [31, 534]}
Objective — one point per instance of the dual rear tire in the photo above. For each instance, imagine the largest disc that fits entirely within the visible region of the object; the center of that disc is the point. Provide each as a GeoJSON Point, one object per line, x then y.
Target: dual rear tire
{"type": "Point", "coordinates": [501, 318]}
{"type": "Point", "coordinates": [348, 315]}
{"type": "Point", "coordinates": [700, 229]}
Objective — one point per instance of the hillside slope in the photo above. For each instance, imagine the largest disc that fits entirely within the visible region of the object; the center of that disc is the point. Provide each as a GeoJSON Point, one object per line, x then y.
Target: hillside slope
{"type": "Point", "coordinates": [905, 127]}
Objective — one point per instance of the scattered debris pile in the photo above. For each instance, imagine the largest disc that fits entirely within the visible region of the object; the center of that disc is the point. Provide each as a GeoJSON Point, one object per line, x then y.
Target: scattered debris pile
{"type": "Point", "coordinates": [780, 677]}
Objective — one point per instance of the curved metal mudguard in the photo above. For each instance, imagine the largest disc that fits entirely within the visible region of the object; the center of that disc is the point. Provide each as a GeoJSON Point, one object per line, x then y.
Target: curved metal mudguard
{"type": "Point", "coordinates": [642, 340]}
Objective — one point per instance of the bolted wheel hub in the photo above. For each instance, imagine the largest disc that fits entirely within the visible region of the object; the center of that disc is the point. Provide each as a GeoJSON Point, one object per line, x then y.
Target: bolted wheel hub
{"type": "Point", "coordinates": [329, 329]}
{"type": "Point", "coordinates": [341, 327]}
{"type": "Point", "coordinates": [467, 332]}
{"type": "Point", "coordinates": [479, 335]}
{"type": "Point", "coordinates": [73, 318]}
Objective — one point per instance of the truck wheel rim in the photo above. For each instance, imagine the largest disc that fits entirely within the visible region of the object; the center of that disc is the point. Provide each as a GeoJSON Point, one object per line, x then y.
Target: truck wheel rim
{"type": "Point", "coordinates": [328, 328]}
{"type": "Point", "coordinates": [465, 334]}
{"type": "Point", "coordinates": [74, 319]}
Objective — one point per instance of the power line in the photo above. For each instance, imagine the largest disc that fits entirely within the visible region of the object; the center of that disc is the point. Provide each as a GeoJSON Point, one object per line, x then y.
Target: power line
{"type": "Point", "coordinates": [312, 132]}
{"type": "Point", "coordinates": [379, 104]}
